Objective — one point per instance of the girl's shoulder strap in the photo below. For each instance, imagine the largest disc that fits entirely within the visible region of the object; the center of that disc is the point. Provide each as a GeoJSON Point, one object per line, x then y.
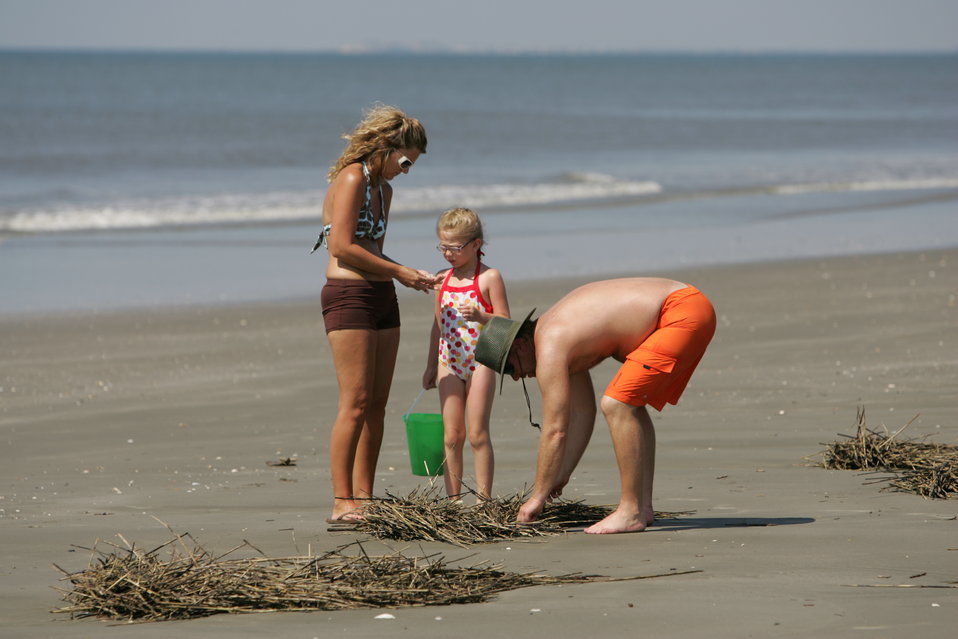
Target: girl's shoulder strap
{"type": "Point", "coordinates": [445, 280]}
{"type": "Point", "coordinates": [475, 285]}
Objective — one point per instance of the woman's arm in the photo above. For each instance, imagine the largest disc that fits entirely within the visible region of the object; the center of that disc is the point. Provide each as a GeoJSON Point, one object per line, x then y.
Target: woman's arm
{"type": "Point", "coordinates": [349, 191]}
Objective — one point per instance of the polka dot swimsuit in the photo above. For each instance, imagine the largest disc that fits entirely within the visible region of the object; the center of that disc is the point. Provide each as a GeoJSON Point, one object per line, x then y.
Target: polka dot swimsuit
{"type": "Point", "coordinates": [457, 336]}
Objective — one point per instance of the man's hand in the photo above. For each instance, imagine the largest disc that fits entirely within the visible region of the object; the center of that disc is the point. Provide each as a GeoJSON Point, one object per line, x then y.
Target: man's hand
{"type": "Point", "coordinates": [530, 510]}
{"type": "Point", "coordinates": [556, 491]}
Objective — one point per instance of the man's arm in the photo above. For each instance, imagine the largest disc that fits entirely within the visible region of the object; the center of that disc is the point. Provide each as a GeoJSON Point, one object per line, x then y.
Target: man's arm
{"type": "Point", "coordinates": [581, 423]}
{"type": "Point", "coordinates": [567, 404]}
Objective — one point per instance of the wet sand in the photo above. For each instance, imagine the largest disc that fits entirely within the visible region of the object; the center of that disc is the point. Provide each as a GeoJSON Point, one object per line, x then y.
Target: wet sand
{"type": "Point", "coordinates": [113, 421]}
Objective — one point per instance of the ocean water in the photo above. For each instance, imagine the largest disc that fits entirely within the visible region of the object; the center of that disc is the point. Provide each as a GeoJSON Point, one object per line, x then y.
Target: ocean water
{"type": "Point", "coordinates": [131, 179]}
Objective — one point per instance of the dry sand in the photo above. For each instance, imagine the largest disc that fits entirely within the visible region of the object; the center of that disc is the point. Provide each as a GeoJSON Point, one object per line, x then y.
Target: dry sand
{"type": "Point", "coordinates": [110, 421]}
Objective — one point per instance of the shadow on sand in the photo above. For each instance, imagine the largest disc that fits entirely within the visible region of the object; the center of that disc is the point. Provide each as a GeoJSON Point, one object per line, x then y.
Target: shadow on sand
{"type": "Point", "coordinates": [690, 523]}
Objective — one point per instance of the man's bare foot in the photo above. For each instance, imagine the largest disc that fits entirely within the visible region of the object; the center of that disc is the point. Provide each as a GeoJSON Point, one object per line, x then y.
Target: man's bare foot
{"type": "Point", "coordinates": [648, 516]}
{"type": "Point", "coordinates": [619, 522]}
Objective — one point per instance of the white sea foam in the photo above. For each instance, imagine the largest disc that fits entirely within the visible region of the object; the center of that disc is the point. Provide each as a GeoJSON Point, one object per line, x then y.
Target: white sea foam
{"type": "Point", "coordinates": [867, 185]}
{"type": "Point", "coordinates": [576, 187]}
{"type": "Point", "coordinates": [141, 214]}
{"type": "Point", "coordinates": [259, 208]}
{"type": "Point", "coordinates": [299, 205]}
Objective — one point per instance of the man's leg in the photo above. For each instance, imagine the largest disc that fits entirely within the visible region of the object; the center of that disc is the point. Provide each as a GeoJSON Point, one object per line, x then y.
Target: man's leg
{"type": "Point", "coordinates": [633, 438]}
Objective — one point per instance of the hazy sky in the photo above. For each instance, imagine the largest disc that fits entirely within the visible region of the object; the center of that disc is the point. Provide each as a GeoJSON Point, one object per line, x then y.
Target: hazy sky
{"type": "Point", "coordinates": [483, 25]}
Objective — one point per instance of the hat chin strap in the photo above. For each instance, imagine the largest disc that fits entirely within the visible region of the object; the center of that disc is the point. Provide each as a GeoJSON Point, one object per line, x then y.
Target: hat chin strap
{"type": "Point", "coordinates": [529, 404]}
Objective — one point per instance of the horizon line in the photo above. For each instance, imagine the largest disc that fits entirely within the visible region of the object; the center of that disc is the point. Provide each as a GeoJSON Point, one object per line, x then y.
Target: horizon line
{"type": "Point", "coordinates": [409, 50]}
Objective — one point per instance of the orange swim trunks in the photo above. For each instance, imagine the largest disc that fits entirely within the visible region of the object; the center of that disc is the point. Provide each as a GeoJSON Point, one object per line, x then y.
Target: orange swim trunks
{"type": "Point", "coordinates": [658, 371]}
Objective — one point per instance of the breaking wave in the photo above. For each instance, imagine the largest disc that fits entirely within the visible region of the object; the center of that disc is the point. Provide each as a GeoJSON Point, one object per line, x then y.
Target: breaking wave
{"type": "Point", "coordinates": [289, 206]}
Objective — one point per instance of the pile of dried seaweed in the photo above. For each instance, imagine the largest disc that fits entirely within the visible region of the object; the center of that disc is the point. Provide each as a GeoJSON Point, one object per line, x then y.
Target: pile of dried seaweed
{"type": "Point", "coordinates": [930, 470]}
{"type": "Point", "coordinates": [132, 585]}
{"type": "Point", "coordinates": [425, 516]}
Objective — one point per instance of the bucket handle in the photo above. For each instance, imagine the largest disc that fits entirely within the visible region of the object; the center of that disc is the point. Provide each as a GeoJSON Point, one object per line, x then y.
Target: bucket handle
{"type": "Point", "coordinates": [414, 402]}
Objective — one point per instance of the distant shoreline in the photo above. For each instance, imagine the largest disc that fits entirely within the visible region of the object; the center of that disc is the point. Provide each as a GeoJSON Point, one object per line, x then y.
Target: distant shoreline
{"type": "Point", "coordinates": [445, 52]}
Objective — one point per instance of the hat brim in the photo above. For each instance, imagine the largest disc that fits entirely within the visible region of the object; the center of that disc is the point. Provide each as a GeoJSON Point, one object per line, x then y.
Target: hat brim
{"type": "Point", "coordinates": [505, 337]}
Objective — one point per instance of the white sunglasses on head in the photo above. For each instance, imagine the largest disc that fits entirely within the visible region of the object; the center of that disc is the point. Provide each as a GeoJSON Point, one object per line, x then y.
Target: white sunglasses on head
{"type": "Point", "coordinates": [404, 162]}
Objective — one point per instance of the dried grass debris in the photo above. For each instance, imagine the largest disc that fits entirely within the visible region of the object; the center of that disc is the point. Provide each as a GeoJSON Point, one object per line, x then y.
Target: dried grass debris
{"type": "Point", "coordinates": [424, 515]}
{"type": "Point", "coordinates": [130, 585]}
{"type": "Point", "coordinates": [926, 469]}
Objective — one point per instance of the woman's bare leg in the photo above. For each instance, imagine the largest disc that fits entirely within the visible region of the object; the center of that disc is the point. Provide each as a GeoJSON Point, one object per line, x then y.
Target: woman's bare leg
{"type": "Point", "coordinates": [353, 357]}
{"type": "Point", "coordinates": [371, 436]}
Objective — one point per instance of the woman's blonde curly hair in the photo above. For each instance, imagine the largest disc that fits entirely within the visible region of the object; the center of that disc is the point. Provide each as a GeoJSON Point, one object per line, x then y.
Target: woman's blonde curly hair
{"type": "Point", "coordinates": [383, 129]}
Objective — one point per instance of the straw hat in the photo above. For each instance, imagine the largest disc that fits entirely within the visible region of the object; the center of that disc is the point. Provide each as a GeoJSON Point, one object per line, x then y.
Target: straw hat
{"type": "Point", "coordinates": [495, 340]}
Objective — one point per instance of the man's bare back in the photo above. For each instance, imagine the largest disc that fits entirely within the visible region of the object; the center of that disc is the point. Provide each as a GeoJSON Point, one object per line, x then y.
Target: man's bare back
{"type": "Point", "coordinates": [601, 320]}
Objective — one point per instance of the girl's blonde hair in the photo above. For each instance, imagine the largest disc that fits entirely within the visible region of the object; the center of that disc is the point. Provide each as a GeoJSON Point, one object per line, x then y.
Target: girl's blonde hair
{"type": "Point", "coordinates": [460, 222]}
{"type": "Point", "coordinates": [383, 129]}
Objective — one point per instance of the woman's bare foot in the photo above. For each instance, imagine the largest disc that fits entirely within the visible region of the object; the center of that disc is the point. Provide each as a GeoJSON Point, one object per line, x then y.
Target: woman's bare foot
{"type": "Point", "coordinates": [346, 519]}
{"type": "Point", "coordinates": [346, 511]}
{"type": "Point", "coordinates": [621, 522]}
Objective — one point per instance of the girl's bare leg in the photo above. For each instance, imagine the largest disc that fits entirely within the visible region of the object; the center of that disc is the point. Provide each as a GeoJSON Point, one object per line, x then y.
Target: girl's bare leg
{"type": "Point", "coordinates": [452, 402]}
{"type": "Point", "coordinates": [480, 392]}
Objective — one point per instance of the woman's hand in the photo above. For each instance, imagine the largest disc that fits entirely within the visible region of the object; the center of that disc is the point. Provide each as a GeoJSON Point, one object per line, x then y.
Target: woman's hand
{"type": "Point", "coordinates": [417, 279]}
{"type": "Point", "coordinates": [436, 282]}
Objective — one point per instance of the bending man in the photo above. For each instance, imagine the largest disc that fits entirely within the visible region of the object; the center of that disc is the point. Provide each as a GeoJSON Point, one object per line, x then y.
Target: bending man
{"type": "Point", "coordinates": [659, 330]}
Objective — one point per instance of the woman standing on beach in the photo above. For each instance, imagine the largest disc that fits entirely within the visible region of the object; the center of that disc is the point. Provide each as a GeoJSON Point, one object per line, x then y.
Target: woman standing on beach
{"type": "Point", "coordinates": [360, 309]}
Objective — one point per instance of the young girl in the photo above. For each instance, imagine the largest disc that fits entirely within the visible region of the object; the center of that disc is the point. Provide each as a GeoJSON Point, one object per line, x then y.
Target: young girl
{"type": "Point", "coordinates": [471, 293]}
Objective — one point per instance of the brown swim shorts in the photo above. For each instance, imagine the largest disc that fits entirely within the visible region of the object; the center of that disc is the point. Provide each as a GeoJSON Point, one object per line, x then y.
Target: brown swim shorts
{"type": "Point", "coordinates": [359, 304]}
{"type": "Point", "coordinates": [658, 371]}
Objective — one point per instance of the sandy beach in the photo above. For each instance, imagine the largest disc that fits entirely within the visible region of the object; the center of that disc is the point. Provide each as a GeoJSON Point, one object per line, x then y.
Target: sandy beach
{"type": "Point", "coordinates": [115, 422]}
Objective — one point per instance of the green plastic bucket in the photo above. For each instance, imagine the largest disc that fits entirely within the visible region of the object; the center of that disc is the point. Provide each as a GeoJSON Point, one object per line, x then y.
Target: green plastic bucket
{"type": "Point", "coordinates": [424, 434]}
